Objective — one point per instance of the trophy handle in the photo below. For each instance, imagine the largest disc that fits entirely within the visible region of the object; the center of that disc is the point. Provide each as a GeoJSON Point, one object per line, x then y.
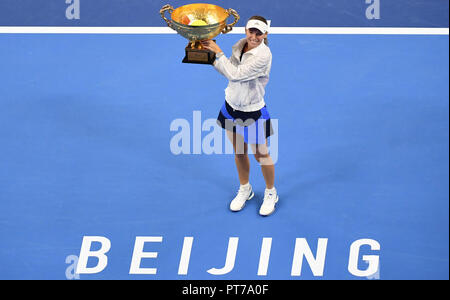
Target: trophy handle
{"type": "Point", "coordinates": [236, 16]}
{"type": "Point", "coordinates": [162, 11]}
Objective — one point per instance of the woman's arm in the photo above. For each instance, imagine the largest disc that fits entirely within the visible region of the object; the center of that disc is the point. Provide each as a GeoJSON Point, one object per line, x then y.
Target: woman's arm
{"type": "Point", "coordinates": [253, 67]}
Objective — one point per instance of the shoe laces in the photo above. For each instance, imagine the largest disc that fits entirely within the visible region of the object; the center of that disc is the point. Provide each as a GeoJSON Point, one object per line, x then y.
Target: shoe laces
{"type": "Point", "coordinates": [269, 197]}
{"type": "Point", "coordinates": [243, 190]}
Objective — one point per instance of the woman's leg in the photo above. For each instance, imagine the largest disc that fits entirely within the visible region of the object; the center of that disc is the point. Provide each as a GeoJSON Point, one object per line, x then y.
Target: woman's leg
{"type": "Point", "coordinates": [261, 152]}
{"type": "Point", "coordinates": [240, 156]}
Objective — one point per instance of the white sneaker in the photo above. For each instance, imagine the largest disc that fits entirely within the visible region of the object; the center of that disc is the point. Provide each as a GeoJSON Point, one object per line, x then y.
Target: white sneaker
{"type": "Point", "coordinates": [270, 199]}
{"type": "Point", "coordinates": [243, 195]}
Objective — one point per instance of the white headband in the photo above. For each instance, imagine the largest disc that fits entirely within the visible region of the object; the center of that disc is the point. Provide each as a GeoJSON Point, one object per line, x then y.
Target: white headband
{"type": "Point", "coordinates": [260, 25]}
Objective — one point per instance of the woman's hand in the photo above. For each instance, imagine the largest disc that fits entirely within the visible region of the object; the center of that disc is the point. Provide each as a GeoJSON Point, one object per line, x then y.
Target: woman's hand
{"type": "Point", "coordinates": [211, 45]}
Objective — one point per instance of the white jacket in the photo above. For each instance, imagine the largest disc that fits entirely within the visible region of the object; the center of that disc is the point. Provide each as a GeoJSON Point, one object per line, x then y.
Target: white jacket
{"type": "Point", "coordinates": [247, 78]}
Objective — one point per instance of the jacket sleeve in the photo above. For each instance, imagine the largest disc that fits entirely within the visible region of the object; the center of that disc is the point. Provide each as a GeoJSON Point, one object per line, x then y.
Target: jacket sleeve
{"type": "Point", "coordinates": [252, 68]}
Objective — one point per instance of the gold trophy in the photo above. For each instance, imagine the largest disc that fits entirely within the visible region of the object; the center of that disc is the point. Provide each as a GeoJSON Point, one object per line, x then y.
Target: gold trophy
{"type": "Point", "coordinates": [198, 22]}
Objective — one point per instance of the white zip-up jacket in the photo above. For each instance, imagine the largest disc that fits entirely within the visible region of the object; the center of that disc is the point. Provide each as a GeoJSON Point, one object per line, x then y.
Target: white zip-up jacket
{"type": "Point", "coordinates": [247, 78]}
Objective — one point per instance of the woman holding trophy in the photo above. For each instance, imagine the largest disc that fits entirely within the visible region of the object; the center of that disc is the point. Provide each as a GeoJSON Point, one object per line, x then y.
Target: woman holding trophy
{"type": "Point", "coordinates": [244, 115]}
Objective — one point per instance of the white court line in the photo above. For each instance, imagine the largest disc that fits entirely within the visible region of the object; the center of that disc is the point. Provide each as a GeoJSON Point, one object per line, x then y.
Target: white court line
{"type": "Point", "coordinates": [236, 30]}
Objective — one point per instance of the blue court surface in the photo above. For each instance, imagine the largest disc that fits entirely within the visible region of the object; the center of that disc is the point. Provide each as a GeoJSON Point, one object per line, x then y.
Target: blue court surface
{"type": "Point", "coordinates": [85, 145]}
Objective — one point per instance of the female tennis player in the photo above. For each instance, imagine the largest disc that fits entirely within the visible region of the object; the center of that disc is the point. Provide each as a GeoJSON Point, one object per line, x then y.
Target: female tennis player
{"type": "Point", "coordinates": [244, 115]}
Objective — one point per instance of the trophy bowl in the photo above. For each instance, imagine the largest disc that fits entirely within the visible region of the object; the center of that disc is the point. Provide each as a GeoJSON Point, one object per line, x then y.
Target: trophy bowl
{"type": "Point", "coordinates": [197, 22]}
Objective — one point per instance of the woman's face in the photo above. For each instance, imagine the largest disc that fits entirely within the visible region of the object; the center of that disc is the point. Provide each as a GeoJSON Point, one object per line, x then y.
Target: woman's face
{"type": "Point", "coordinates": [254, 37]}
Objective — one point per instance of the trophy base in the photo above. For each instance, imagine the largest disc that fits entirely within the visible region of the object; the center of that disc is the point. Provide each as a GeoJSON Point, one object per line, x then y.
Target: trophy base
{"type": "Point", "coordinates": [198, 56]}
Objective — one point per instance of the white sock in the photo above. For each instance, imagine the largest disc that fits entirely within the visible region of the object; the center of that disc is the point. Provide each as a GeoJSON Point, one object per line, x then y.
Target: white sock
{"type": "Point", "coordinates": [246, 186]}
{"type": "Point", "coordinates": [272, 190]}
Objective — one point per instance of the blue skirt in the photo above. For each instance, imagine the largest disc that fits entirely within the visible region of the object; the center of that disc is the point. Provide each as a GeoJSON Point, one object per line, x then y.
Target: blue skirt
{"type": "Point", "coordinates": [254, 126]}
